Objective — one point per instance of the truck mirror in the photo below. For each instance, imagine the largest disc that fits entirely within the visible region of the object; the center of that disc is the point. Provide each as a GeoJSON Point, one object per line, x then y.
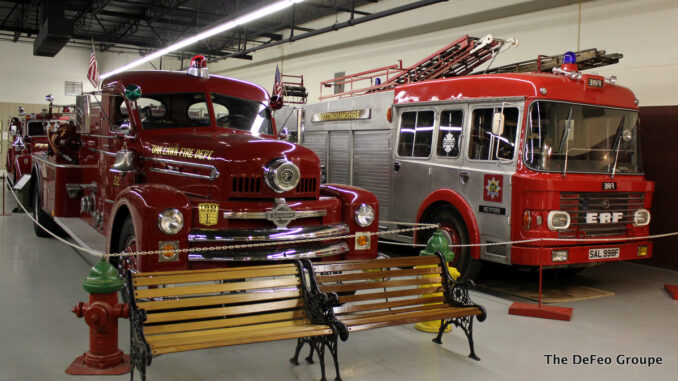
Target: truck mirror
{"type": "Point", "coordinates": [82, 113]}
{"type": "Point", "coordinates": [284, 134]}
{"type": "Point", "coordinates": [275, 103]}
{"type": "Point", "coordinates": [132, 92]}
{"type": "Point", "coordinates": [497, 123]}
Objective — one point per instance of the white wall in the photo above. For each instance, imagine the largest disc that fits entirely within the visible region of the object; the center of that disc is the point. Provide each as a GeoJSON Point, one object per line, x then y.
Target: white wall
{"type": "Point", "coordinates": [642, 30]}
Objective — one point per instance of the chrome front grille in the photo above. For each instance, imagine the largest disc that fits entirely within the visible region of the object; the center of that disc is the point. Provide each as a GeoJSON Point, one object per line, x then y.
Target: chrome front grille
{"type": "Point", "coordinates": [578, 204]}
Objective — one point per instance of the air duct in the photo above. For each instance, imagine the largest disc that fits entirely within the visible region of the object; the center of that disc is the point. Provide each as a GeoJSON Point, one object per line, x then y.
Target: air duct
{"type": "Point", "coordinates": [55, 30]}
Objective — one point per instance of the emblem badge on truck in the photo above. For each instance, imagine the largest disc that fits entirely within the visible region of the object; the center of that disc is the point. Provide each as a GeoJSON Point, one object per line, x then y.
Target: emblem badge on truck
{"type": "Point", "coordinates": [282, 214]}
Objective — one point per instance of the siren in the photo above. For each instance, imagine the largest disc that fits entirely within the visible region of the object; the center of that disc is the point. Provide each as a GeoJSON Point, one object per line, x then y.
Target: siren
{"type": "Point", "coordinates": [570, 62]}
{"type": "Point", "coordinates": [198, 67]}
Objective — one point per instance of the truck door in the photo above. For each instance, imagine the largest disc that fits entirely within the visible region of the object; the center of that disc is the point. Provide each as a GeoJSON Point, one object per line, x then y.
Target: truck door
{"type": "Point", "coordinates": [411, 177]}
{"type": "Point", "coordinates": [445, 165]}
{"type": "Point", "coordinates": [488, 165]}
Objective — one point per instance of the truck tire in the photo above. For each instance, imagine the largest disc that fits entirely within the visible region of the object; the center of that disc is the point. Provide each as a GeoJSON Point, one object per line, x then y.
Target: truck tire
{"type": "Point", "coordinates": [40, 216]}
{"type": "Point", "coordinates": [127, 243]}
{"type": "Point", "coordinates": [451, 222]}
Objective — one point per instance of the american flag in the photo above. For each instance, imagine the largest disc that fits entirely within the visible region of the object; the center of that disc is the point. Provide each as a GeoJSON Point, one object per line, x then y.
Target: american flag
{"type": "Point", "coordinates": [93, 71]}
{"type": "Point", "coordinates": [277, 84]}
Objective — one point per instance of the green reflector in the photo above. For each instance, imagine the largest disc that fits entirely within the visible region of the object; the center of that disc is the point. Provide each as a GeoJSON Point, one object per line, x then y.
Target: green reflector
{"type": "Point", "coordinates": [132, 92]}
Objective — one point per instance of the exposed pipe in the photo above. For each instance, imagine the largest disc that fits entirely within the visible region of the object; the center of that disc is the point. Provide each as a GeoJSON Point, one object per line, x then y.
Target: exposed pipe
{"type": "Point", "coordinates": [345, 24]}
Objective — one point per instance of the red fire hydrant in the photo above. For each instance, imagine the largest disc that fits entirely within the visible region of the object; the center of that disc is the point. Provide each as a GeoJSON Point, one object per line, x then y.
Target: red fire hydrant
{"type": "Point", "coordinates": [101, 315]}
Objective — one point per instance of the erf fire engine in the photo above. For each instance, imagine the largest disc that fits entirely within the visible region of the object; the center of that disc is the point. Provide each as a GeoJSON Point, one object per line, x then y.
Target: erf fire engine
{"type": "Point", "coordinates": [493, 157]}
{"type": "Point", "coordinates": [29, 136]}
{"type": "Point", "coordinates": [165, 161]}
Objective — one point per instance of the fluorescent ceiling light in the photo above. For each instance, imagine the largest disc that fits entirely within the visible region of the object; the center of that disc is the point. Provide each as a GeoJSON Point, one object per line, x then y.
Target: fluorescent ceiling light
{"type": "Point", "coordinates": [259, 13]}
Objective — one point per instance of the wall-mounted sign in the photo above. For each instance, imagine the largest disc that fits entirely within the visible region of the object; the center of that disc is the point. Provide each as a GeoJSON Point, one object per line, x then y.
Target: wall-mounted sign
{"type": "Point", "coordinates": [342, 115]}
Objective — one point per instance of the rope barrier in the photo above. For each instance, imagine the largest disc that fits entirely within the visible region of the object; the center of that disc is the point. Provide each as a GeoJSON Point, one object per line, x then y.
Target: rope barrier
{"type": "Point", "coordinates": [415, 227]}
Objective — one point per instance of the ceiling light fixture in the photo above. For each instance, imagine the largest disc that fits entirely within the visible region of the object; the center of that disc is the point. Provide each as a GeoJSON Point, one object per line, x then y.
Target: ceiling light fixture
{"type": "Point", "coordinates": [259, 13]}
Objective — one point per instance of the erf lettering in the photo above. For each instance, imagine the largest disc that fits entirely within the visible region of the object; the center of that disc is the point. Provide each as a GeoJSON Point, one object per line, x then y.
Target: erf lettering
{"type": "Point", "coordinates": [591, 360]}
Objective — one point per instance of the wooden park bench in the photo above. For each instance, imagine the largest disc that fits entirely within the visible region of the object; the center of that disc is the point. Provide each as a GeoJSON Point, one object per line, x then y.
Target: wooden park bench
{"type": "Point", "coordinates": [179, 311]}
{"type": "Point", "coordinates": [389, 292]}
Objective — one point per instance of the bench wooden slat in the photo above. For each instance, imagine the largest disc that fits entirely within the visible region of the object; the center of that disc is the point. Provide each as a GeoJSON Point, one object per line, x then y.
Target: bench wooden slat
{"type": "Point", "coordinates": [176, 316]}
{"type": "Point", "coordinates": [359, 324]}
{"type": "Point", "coordinates": [230, 274]}
{"type": "Point", "coordinates": [374, 264]}
{"type": "Point", "coordinates": [388, 294]}
{"type": "Point", "coordinates": [377, 274]}
{"type": "Point", "coordinates": [349, 308]}
{"type": "Point", "coordinates": [212, 288]}
{"type": "Point", "coordinates": [224, 323]}
{"type": "Point", "coordinates": [229, 340]}
{"type": "Point", "coordinates": [348, 317]}
{"type": "Point", "coordinates": [367, 285]}
{"type": "Point", "coordinates": [155, 305]}
{"type": "Point", "coordinates": [138, 276]}
{"type": "Point", "coordinates": [205, 335]}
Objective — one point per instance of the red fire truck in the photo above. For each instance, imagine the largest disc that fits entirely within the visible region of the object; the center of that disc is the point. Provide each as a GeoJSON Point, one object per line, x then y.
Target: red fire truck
{"type": "Point", "coordinates": [167, 161]}
{"type": "Point", "coordinates": [495, 157]}
{"type": "Point", "coordinates": [28, 131]}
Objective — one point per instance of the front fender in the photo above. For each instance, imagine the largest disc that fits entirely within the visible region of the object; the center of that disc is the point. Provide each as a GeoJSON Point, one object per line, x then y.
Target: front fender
{"type": "Point", "coordinates": [453, 198]}
{"type": "Point", "coordinates": [351, 198]}
{"type": "Point", "coordinates": [143, 203]}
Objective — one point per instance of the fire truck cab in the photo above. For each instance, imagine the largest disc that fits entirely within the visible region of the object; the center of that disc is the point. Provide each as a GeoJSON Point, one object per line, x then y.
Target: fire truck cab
{"type": "Point", "coordinates": [498, 158]}
{"type": "Point", "coordinates": [169, 161]}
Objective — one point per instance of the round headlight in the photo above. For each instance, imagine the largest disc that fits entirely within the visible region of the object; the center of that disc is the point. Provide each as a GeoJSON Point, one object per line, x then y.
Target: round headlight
{"type": "Point", "coordinates": [364, 215]}
{"type": "Point", "coordinates": [641, 217]}
{"type": "Point", "coordinates": [281, 175]}
{"type": "Point", "coordinates": [170, 221]}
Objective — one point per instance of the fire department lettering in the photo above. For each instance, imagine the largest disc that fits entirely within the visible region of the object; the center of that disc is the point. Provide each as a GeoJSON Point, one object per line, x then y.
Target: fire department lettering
{"type": "Point", "coordinates": [604, 218]}
{"type": "Point", "coordinates": [208, 214]}
{"type": "Point", "coordinates": [190, 153]}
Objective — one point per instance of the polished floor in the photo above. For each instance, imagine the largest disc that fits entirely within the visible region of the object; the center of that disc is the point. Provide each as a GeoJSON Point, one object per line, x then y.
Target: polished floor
{"type": "Point", "coordinates": [40, 281]}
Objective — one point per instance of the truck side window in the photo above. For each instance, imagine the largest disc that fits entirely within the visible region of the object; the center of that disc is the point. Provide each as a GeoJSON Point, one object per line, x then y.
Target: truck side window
{"type": "Point", "coordinates": [449, 135]}
{"type": "Point", "coordinates": [485, 146]}
{"type": "Point", "coordinates": [416, 133]}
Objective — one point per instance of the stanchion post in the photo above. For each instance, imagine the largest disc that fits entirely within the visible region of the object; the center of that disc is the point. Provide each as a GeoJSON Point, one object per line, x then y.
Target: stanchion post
{"type": "Point", "coordinates": [4, 185]}
{"type": "Point", "coordinates": [541, 311]}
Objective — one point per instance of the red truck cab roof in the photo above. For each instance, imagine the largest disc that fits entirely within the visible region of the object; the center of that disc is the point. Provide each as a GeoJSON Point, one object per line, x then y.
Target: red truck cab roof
{"type": "Point", "coordinates": [528, 85]}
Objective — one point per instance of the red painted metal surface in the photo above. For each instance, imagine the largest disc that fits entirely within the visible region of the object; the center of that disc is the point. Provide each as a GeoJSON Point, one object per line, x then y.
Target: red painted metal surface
{"type": "Point", "coordinates": [541, 311]}
{"type": "Point", "coordinates": [672, 290]}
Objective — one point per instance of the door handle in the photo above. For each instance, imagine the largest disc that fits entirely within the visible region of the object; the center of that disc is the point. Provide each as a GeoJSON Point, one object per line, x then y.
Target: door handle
{"type": "Point", "coordinates": [464, 176]}
{"type": "Point", "coordinates": [396, 166]}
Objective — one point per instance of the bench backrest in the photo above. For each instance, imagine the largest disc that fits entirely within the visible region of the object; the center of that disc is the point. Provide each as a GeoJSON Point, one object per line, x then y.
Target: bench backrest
{"type": "Point", "coordinates": [189, 301]}
{"type": "Point", "coordinates": [376, 287]}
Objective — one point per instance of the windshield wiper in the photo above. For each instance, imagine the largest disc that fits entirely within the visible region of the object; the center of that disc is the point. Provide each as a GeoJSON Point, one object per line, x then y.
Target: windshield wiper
{"type": "Point", "coordinates": [617, 144]}
{"type": "Point", "coordinates": [566, 139]}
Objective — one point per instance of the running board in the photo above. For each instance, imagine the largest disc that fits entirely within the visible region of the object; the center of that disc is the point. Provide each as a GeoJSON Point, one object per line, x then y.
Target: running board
{"type": "Point", "coordinates": [83, 234]}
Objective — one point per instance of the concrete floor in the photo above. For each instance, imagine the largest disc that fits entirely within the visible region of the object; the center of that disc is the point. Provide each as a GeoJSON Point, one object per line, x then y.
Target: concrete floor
{"type": "Point", "coordinates": [40, 281]}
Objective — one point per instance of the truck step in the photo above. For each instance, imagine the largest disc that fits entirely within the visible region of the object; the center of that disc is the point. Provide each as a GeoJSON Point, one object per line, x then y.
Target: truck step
{"type": "Point", "coordinates": [85, 235]}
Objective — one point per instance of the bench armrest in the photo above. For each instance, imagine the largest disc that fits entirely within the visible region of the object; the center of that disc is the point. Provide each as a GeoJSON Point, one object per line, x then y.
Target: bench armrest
{"type": "Point", "coordinates": [456, 292]}
{"type": "Point", "coordinates": [320, 305]}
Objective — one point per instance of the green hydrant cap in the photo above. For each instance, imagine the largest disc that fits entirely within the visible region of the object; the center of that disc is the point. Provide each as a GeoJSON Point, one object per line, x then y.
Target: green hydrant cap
{"type": "Point", "coordinates": [438, 243]}
{"type": "Point", "coordinates": [103, 279]}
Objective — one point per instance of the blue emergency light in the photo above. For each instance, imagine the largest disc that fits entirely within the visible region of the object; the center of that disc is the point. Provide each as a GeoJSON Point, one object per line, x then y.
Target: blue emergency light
{"type": "Point", "coordinates": [569, 58]}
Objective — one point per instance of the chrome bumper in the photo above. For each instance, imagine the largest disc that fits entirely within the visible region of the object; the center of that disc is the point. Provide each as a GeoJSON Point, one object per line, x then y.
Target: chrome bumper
{"type": "Point", "coordinates": [270, 254]}
{"type": "Point", "coordinates": [267, 235]}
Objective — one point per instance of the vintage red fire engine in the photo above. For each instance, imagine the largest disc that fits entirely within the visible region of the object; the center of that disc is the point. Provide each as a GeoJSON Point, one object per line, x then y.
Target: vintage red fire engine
{"type": "Point", "coordinates": [495, 157]}
{"type": "Point", "coordinates": [28, 131]}
{"type": "Point", "coordinates": [172, 160]}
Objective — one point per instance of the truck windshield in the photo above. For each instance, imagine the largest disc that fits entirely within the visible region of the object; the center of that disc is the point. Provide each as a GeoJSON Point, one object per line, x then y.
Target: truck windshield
{"type": "Point", "coordinates": [580, 138]}
{"type": "Point", "coordinates": [36, 128]}
{"type": "Point", "coordinates": [242, 114]}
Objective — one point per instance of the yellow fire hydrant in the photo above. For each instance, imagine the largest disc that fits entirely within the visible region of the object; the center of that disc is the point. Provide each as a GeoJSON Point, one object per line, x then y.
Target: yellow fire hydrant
{"type": "Point", "coordinates": [437, 243]}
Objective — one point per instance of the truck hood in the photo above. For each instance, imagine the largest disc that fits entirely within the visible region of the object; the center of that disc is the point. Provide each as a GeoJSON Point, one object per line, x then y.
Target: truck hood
{"type": "Point", "coordinates": [236, 158]}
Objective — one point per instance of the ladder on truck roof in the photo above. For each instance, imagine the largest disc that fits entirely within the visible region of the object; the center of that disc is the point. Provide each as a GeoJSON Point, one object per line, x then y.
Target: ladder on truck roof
{"type": "Point", "coordinates": [460, 57]}
{"type": "Point", "coordinates": [294, 91]}
{"type": "Point", "coordinates": [586, 59]}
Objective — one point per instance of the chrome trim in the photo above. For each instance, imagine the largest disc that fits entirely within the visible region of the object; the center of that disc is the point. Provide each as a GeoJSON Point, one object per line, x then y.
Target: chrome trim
{"type": "Point", "coordinates": [112, 154]}
{"type": "Point", "coordinates": [267, 235]}
{"type": "Point", "coordinates": [264, 215]}
{"type": "Point", "coordinates": [214, 174]}
{"type": "Point", "coordinates": [250, 255]}
{"type": "Point", "coordinates": [180, 173]}
{"type": "Point", "coordinates": [109, 201]}
{"type": "Point", "coordinates": [47, 162]}
{"type": "Point", "coordinates": [100, 136]}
